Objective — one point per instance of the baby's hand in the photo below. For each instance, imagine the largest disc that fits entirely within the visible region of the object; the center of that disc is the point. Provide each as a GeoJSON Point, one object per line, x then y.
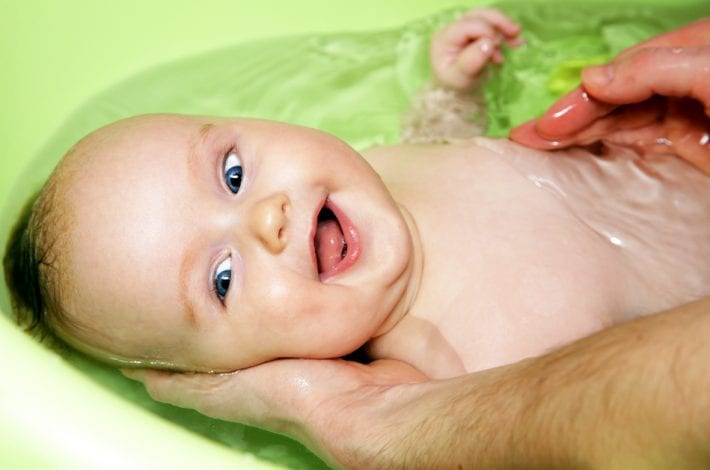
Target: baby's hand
{"type": "Point", "coordinates": [459, 52]}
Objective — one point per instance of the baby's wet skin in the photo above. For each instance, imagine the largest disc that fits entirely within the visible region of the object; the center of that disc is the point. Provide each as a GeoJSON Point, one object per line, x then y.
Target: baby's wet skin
{"type": "Point", "coordinates": [655, 209]}
{"type": "Point", "coordinates": [451, 258]}
{"type": "Point", "coordinates": [528, 250]}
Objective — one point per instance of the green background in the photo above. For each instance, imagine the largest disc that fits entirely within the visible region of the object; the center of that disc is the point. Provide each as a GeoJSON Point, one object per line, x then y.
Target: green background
{"type": "Point", "coordinates": [55, 54]}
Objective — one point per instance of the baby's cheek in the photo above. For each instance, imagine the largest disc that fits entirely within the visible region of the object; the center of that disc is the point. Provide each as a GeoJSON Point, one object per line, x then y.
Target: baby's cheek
{"type": "Point", "coordinates": [279, 301]}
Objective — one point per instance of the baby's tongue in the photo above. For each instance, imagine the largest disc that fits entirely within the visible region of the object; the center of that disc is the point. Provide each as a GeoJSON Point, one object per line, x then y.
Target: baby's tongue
{"type": "Point", "coordinates": [329, 242]}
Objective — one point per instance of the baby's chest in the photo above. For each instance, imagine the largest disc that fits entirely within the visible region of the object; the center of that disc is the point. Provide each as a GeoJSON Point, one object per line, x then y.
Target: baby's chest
{"type": "Point", "coordinates": [511, 272]}
{"type": "Point", "coordinates": [528, 251]}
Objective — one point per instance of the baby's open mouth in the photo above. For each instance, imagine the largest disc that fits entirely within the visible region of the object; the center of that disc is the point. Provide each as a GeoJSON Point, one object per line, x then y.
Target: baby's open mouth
{"type": "Point", "coordinates": [336, 241]}
{"type": "Point", "coordinates": [329, 242]}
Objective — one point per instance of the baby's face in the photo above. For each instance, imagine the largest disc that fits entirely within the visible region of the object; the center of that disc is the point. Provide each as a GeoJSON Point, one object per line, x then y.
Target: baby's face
{"type": "Point", "coordinates": [175, 257]}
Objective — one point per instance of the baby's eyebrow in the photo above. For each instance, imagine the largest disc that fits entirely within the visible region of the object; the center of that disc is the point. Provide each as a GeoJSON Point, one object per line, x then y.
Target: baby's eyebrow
{"type": "Point", "coordinates": [185, 295]}
{"type": "Point", "coordinates": [205, 129]}
{"type": "Point", "coordinates": [201, 136]}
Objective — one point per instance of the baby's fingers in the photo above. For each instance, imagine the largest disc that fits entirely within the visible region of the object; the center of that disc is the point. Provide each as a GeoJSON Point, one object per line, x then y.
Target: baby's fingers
{"type": "Point", "coordinates": [461, 33]}
{"type": "Point", "coordinates": [507, 28]}
{"type": "Point", "coordinates": [473, 58]}
{"type": "Point", "coordinates": [460, 51]}
{"type": "Point", "coordinates": [459, 68]}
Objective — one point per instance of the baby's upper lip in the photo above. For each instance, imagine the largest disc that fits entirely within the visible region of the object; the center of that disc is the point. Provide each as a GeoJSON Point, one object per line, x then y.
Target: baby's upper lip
{"type": "Point", "coordinates": [312, 235]}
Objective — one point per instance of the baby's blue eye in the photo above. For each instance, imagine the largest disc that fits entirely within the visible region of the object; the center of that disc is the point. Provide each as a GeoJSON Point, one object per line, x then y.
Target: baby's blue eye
{"type": "Point", "coordinates": [233, 171]}
{"type": "Point", "coordinates": [222, 277]}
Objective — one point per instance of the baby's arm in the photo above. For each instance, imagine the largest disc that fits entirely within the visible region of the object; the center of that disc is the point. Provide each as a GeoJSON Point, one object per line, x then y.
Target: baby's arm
{"type": "Point", "coordinates": [451, 108]}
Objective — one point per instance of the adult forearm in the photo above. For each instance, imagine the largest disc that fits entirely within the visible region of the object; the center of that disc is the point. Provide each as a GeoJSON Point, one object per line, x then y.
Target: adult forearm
{"type": "Point", "coordinates": [634, 395]}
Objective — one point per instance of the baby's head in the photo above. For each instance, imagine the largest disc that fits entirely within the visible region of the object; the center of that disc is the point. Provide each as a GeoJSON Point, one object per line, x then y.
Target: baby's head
{"type": "Point", "coordinates": [212, 244]}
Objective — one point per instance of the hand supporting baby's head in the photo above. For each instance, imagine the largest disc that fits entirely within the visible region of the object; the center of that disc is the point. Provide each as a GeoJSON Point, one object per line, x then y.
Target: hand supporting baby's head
{"type": "Point", "coordinates": [214, 244]}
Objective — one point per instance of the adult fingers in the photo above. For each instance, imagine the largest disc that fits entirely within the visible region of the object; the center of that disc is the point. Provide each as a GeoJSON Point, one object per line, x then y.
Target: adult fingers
{"type": "Point", "coordinates": [278, 394]}
{"type": "Point", "coordinates": [667, 71]}
{"type": "Point", "coordinates": [232, 397]}
{"type": "Point", "coordinates": [689, 144]}
{"type": "Point", "coordinates": [631, 117]}
{"type": "Point", "coordinates": [679, 136]}
{"type": "Point", "coordinates": [186, 390]}
{"type": "Point", "coordinates": [576, 126]}
{"type": "Point", "coordinates": [689, 133]}
{"type": "Point", "coordinates": [694, 148]}
{"type": "Point", "coordinates": [526, 134]}
{"type": "Point", "coordinates": [692, 35]}
{"type": "Point", "coordinates": [570, 114]}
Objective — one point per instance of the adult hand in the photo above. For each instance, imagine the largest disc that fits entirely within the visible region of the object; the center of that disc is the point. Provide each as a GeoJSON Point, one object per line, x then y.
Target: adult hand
{"type": "Point", "coordinates": [330, 405]}
{"type": "Point", "coordinates": [654, 97]}
{"type": "Point", "coordinates": [632, 396]}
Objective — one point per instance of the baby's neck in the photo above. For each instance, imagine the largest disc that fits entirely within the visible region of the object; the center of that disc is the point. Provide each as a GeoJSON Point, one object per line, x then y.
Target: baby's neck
{"type": "Point", "coordinates": [415, 277]}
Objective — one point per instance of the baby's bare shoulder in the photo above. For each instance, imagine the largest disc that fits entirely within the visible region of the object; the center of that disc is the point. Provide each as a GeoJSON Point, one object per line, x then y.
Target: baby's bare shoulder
{"type": "Point", "coordinates": [407, 150]}
{"type": "Point", "coordinates": [457, 169]}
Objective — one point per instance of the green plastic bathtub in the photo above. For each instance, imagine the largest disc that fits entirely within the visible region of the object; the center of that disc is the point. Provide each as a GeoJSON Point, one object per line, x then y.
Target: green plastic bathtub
{"type": "Point", "coordinates": [71, 66]}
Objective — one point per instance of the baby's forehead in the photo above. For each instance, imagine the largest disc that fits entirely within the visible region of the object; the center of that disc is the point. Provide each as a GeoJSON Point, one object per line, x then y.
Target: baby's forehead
{"type": "Point", "coordinates": [134, 143]}
{"type": "Point", "coordinates": [133, 132]}
{"type": "Point", "coordinates": [118, 172]}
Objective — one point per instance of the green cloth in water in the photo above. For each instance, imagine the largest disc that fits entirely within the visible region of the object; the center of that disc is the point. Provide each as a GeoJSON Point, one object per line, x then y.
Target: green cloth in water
{"type": "Point", "coordinates": [560, 40]}
{"type": "Point", "coordinates": [356, 86]}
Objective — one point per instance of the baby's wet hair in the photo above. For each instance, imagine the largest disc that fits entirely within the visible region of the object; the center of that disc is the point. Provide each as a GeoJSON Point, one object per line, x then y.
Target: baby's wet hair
{"type": "Point", "coordinates": [33, 275]}
{"type": "Point", "coordinates": [30, 266]}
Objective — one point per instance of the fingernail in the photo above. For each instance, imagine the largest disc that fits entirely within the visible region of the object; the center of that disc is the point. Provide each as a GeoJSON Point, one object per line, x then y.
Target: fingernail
{"type": "Point", "coordinates": [486, 46]}
{"type": "Point", "coordinates": [598, 75]}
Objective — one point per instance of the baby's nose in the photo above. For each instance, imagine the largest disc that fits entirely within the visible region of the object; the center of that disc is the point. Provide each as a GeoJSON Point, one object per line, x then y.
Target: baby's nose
{"type": "Point", "coordinates": [268, 221]}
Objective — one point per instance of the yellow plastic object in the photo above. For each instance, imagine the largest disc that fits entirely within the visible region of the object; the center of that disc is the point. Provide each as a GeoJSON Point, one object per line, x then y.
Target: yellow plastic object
{"type": "Point", "coordinates": [566, 75]}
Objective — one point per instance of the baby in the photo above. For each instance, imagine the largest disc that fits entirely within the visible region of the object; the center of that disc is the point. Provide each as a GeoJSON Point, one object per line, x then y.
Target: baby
{"type": "Point", "coordinates": [213, 244]}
